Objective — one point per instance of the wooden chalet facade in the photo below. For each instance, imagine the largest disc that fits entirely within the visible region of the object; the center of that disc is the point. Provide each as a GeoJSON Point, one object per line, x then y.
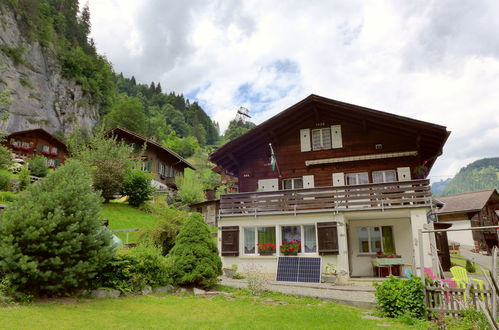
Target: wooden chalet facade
{"type": "Point", "coordinates": [29, 143]}
{"type": "Point", "coordinates": [157, 159]}
{"type": "Point", "coordinates": [349, 183]}
{"type": "Point", "coordinates": [473, 209]}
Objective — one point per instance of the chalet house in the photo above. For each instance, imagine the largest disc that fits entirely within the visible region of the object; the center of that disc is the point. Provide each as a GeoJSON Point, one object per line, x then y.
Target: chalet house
{"type": "Point", "coordinates": [474, 209]}
{"type": "Point", "coordinates": [29, 143]}
{"type": "Point", "coordinates": [347, 182]}
{"type": "Point", "coordinates": [164, 163]}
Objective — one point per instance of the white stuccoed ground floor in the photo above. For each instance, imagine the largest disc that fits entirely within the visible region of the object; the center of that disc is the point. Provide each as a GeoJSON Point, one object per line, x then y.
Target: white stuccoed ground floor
{"type": "Point", "coordinates": [405, 223]}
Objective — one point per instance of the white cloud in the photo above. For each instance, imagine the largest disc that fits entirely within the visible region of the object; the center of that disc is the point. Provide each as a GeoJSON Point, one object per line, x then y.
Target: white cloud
{"type": "Point", "coordinates": [434, 61]}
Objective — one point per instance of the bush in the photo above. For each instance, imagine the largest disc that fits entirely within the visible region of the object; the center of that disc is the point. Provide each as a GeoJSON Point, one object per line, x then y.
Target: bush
{"type": "Point", "coordinates": [190, 188]}
{"type": "Point", "coordinates": [132, 270]}
{"type": "Point", "coordinates": [165, 233]}
{"type": "Point", "coordinates": [137, 186]}
{"type": "Point", "coordinates": [38, 166]}
{"type": "Point", "coordinates": [471, 319]}
{"type": "Point", "coordinates": [194, 258]}
{"type": "Point", "coordinates": [470, 266]}
{"type": "Point", "coordinates": [24, 178]}
{"type": "Point", "coordinates": [396, 297]}
{"type": "Point", "coordinates": [5, 177]}
{"type": "Point", "coordinates": [5, 157]}
{"type": "Point", "coordinates": [51, 240]}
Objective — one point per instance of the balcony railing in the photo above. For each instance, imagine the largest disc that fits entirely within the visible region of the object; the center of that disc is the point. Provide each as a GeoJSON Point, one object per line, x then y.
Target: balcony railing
{"type": "Point", "coordinates": [407, 194]}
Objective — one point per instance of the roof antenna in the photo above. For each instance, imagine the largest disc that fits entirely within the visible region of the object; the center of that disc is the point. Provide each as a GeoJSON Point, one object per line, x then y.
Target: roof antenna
{"type": "Point", "coordinates": [242, 114]}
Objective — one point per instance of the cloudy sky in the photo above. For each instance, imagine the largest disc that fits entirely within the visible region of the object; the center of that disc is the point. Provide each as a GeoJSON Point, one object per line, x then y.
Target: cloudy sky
{"type": "Point", "coordinates": [436, 61]}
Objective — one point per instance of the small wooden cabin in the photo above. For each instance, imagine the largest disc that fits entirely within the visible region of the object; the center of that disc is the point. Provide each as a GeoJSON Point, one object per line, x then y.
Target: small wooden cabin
{"type": "Point", "coordinates": [164, 163]}
{"type": "Point", "coordinates": [28, 143]}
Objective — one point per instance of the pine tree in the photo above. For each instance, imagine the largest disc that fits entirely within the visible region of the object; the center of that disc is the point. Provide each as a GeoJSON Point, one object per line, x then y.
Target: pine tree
{"type": "Point", "coordinates": [194, 257]}
{"type": "Point", "coordinates": [51, 239]}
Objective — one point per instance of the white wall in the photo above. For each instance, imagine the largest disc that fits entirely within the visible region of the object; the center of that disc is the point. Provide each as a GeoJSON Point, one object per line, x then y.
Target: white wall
{"type": "Point", "coordinates": [465, 238]}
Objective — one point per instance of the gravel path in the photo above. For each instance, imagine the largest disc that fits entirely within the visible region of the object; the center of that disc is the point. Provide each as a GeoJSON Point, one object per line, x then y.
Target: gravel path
{"type": "Point", "coordinates": [355, 295]}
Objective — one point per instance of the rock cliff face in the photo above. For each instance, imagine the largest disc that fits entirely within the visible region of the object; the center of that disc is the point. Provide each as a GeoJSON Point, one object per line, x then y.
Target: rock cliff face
{"type": "Point", "coordinates": [41, 96]}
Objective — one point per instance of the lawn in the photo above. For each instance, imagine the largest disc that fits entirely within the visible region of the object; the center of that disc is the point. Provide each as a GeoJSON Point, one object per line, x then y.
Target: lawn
{"type": "Point", "coordinates": [242, 311]}
{"type": "Point", "coordinates": [124, 216]}
{"type": "Point", "coordinates": [460, 262]}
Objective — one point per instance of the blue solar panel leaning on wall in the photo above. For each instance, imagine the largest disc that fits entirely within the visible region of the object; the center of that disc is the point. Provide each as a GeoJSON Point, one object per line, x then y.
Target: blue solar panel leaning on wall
{"type": "Point", "coordinates": [297, 269]}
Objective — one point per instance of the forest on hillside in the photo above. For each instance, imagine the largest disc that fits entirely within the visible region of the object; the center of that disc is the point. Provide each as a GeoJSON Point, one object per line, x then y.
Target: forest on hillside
{"type": "Point", "coordinates": [482, 174]}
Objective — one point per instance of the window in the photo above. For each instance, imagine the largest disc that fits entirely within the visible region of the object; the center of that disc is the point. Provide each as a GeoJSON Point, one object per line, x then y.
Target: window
{"type": "Point", "coordinates": [54, 150]}
{"type": "Point", "coordinates": [146, 166]}
{"type": "Point", "coordinates": [376, 239]}
{"type": "Point", "coordinates": [255, 235]}
{"type": "Point", "coordinates": [305, 234]}
{"type": "Point", "coordinates": [321, 138]}
{"type": "Point", "coordinates": [384, 176]}
{"type": "Point", "coordinates": [357, 178]}
{"type": "Point", "coordinates": [296, 183]}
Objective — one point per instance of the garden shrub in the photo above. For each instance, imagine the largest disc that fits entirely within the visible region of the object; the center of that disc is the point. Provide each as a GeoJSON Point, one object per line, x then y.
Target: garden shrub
{"type": "Point", "coordinates": [51, 238]}
{"type": "Point", "coordinates": [470, 266]}
{"type": "Point", "coordinates": [5, 157]}
{"type": "Point", "coordinates": [194, 258]}
{"type": "Point", "coordinates": [137, 186]}
{"type": "Point", "coordinates": [24, 178]}
{"type": "Point", "coordinates": [38, 166]}
{"type": "Point", "coordinates": [396, 297]}
{"type": "Point", "coordinates": [131, 270]}
{"type": "Point", "coordinates": [470, 319]}
{"type": "Point", "coordinates": [165, 233]}
{"type": "Point", "coordinates": [190, 188]}
{"type": "Point", "coordinates": [5, 177]}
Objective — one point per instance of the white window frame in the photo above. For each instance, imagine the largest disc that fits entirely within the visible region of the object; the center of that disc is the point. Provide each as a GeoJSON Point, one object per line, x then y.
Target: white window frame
{"type": "Point", "coordinates": [321, 130]}
{"type": "Point", "coordinates": [277, 235]}
{"type": "Point", "coordinates": [357, 175]}
{"type": "Point", "coordinates": [369, 239]}
{"type": "Point", "coordinates": [292, 183]}
{"type": "Point", "coordinates": [302, 238]}
{"type": "Point", "coordinates": [383, 172]}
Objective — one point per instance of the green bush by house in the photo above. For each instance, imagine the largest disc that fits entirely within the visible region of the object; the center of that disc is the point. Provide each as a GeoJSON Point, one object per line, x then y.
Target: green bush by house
{"type": "Point", "coordinates": [137, 186]}
{"type": "Point", "coordinates": [194, 258]}
{"type": "Point", "coordinates": [38, 166]}
{"type": "Point", "coordinates": [396, 297]}
{"type": "Point", "coordinates": [51, 239]}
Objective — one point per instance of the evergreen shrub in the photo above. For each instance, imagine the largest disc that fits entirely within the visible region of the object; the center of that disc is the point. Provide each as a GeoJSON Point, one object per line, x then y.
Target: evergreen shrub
{"type": "Point", "coordinates": [4, 179]}
{"type": "Point", "coordinates": [131, 270]}
{"type": "Point", "coordinates": [137, 186]}
{"type": "Point", "coordinates": [470, 266]}
{"type": "Point", "coordinates": [24, 178]}
{"type": "Point", "coordinates": [38, 166]}
{"type": "Point", "coordinates": [396, 297]}
{"type": "Point", "coordinates": [194, 258]}
{"type": "Point", "coordinates": [51, 239]}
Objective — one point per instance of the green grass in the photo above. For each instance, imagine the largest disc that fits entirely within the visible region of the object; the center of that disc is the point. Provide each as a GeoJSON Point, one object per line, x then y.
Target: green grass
{"type": "Point", "coordinates": [459, 262]}
{"type": "Point", "coordinates": [188, 312]}
{"type": "Point", "coordinates": [124, 216]}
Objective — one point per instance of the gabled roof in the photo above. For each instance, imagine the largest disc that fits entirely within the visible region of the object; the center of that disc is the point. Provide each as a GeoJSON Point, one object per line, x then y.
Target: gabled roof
{"type": "Point", "coordinates": [432, 136]}
{"type": "Point", "coordinates": [150, 142]}
{"type": "Point", "coordinates": [464, 203]}
{"type": "Point", "coordinates": [39, 131]}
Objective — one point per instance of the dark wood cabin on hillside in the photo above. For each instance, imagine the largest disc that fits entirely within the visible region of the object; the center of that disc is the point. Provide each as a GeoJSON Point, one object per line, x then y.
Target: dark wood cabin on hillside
{"type": "Point", "coordinates": [29, 143]}
{"type": "Point", "coordinates": [164, 163]}
{"type": "Point", "coordinates": [348, 183]}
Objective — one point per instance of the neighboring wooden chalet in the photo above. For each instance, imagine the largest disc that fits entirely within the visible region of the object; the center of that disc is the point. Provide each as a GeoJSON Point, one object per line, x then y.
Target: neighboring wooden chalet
{"type": "Point", "coordinates": [474, 209]}
{"type": "Point", "coordinates": [208, 209]}
{"type": "Point", "coordinates": [349, 183]}
{"type": "Point", "coordinates": [164, 163]}
{"type": "Point", "coordinates": [29, 143]}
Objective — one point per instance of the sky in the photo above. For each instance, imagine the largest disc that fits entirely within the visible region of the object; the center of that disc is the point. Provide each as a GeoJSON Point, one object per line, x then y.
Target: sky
{"type": "Point", "coordinates": [436, 61]}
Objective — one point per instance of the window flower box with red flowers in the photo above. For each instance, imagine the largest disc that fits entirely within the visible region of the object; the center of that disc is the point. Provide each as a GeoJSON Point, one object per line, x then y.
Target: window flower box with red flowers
{"type": "Point", "coordinates": [266, 249]}
{"type": "Point", "coordinates": [53, 153]}
{"type": "Point", "coordinates": [290, 248]}
{"type": "Point", "coordinates": [45, 152]}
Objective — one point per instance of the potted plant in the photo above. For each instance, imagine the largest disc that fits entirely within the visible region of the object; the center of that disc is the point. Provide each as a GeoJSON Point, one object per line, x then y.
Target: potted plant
{"type": "Point", "coordinates": [230, 272]}
{"type": "Point", "coordinates": [329, 274]}
{"type": "Point", "coordinates": [266, 249]}
{"type": "Point", "coordinates": [421, 171]}
{"type": "Point", "coordinates": [290, 248]}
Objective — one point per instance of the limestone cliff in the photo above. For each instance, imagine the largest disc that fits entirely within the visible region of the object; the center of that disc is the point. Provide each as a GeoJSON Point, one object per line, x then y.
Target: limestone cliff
{"type": "Point", "coordinates": [41, 96]}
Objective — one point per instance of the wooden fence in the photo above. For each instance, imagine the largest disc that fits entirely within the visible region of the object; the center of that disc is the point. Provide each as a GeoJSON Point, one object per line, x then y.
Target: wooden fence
{"type": "Point", "coordinates": [451, 301]}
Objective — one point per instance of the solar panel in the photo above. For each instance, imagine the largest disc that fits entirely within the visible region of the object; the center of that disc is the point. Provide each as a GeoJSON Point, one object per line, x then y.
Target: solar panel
{"type": "Point", "coordinates": [298, 269]}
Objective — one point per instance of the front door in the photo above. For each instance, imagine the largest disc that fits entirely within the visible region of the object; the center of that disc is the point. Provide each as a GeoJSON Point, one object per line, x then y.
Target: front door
{"type": "Point", "coordinates": [443, 246]}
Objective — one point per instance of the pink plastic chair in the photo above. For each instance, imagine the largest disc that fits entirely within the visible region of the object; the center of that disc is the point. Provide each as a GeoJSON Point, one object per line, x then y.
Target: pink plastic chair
{"type": "Point", "coordinates": [432, 277]}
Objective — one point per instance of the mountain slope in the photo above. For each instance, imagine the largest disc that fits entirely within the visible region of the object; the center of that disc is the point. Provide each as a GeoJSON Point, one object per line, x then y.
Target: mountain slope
{"type": "Point", "coordinates": [480, 175]}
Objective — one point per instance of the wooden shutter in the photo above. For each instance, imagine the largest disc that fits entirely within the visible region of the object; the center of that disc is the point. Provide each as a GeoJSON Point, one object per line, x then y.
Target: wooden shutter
{"type": "Point", "coordinates": [327, 238]}
{"type": "Point", "coordinates": [305, 139]}
{"type": "Point", "coordinates": [135, 147]}
{"type": "Point", "coordinates": [268, 185]}
{"type": "Point", "coordinates": [230, 241]}
{"type": "Point", "coordinates": [336, 136]}
{"type": "Point", "coordinates": [308, 181]}
{"type": "Point", "coordinates": [404, 173]}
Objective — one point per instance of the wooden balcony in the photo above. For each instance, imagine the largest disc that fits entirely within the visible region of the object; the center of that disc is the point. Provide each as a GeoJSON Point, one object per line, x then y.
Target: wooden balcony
{"type": "Point", "coordinates": [377, 196]}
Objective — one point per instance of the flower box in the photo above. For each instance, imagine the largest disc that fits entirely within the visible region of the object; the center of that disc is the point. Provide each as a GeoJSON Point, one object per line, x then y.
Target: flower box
{"type": "Point", "coordinates": [266, 253]}
{"type": "Point", "coordinates": [290, 248]}
{"type": "Point", "coordinates": [53, 153]}
{"type": "Point", "coordinates": [266, 249]}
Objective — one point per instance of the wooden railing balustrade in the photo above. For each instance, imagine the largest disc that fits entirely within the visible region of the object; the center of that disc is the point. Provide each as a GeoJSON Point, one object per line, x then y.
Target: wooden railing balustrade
{"type": "Point", "coordinates": [400, 194]}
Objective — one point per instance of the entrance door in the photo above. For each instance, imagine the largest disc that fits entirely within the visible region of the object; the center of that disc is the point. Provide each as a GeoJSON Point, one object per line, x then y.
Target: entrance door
{"type": "Point", "coordinates": [443, 246]}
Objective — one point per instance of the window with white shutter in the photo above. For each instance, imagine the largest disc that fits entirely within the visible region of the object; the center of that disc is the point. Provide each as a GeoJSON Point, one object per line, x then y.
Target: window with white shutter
{"type": "Point", "coordinates": [321, 139]}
